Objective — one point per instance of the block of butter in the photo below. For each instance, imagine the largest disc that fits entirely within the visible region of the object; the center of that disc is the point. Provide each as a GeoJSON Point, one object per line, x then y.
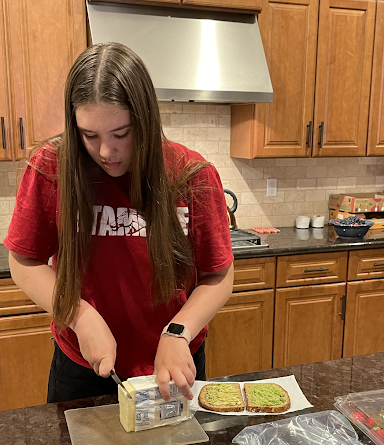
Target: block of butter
{"type": "Point", "coordinates": [147, 409]}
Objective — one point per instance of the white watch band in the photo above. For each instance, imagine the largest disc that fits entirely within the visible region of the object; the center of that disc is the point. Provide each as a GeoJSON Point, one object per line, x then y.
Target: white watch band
{"type": "Point", "coordinates": [185, 334]}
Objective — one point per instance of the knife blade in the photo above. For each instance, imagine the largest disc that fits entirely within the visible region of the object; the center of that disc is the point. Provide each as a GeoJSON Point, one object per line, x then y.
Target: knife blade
{"type": "Point", "coordinates": [119, 382]}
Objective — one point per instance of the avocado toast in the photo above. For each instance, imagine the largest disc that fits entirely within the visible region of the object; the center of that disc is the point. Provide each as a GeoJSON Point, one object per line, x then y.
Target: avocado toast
{"type": "Point", "coordinates": [222, 397]}
{"type": "Point", "coordinates": [266, 398]}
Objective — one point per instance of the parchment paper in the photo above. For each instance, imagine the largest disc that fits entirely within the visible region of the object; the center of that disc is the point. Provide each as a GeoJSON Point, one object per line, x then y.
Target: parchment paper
{"type": "Point", "coordinates": [289, 383]}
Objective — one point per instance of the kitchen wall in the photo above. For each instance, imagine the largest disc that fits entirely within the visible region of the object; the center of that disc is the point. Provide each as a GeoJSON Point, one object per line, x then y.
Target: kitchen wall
{"type": "Point", "coordinates": [303, 185]}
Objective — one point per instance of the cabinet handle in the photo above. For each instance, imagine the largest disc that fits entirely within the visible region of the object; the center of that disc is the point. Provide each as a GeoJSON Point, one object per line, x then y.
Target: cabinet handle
{"type": "Point", "coordinates": [320, 269]}
{"type": "Point", "coordinates": [343, 306]}
{"type": "Point", "coordinates": [3, 132]}
{"type": "Point", "coordinates": [321, 126]}
{"type": "Point", "coordinates": [378, 264]}
{"type": "Point", "coordinates": [309, 134]}
{"type": "Point", "coordinates": [21, 133]}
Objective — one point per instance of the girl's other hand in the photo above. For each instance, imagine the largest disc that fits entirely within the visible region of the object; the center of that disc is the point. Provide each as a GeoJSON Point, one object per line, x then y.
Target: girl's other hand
{"type": "Point", "coordinates": [97, 344]}
{"type": "Point", "coordinates": [174, 361]}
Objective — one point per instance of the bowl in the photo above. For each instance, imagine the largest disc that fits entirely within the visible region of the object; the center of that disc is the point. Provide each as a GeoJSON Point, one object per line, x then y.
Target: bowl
{"type": "Point", "coordinates": [351, 231]}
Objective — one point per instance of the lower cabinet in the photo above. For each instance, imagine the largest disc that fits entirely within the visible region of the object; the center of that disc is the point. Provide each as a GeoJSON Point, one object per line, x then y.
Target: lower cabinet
{"type": "Point", "coordinates": [240, 336]}
{"type": "Point", "coordinates": [364, 320]}
{"type": "Point", "coordinates": [25, 356]}
{"type": "Point", "coordinates": [308, 324]}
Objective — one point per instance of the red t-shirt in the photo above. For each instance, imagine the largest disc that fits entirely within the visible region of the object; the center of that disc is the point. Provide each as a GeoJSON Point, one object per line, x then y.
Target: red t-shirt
{"type": "Point", "coordinates": [118, 277]}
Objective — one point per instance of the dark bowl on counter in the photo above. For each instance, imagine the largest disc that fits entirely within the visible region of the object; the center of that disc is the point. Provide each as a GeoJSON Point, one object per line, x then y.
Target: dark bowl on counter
{"type": "Point", "coordinates": [351, 231]}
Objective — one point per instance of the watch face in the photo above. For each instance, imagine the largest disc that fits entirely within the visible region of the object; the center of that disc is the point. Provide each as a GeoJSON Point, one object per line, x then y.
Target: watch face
{"type": "Point", "coordinates": [175, 328]}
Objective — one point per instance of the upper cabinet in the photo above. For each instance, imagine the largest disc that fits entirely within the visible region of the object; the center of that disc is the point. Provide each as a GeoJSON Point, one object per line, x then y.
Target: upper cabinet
{"type": "Point", "coordinates": [376, 114]}
{"type": "Point", "coordinates": [319, 55]}
{"type": "Point", "coordinates": [40, 42]}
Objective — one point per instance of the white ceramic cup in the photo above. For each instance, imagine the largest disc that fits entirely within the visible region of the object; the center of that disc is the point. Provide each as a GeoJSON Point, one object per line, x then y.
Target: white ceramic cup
{"type": "Point", "coordinates": [317, 221]}
{"type": "Point", "coordinates": [302, 222]}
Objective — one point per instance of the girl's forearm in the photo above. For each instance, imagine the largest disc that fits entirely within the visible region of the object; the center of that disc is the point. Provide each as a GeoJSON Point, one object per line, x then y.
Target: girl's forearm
{"type": "Point", "coordinates": [211, 293]}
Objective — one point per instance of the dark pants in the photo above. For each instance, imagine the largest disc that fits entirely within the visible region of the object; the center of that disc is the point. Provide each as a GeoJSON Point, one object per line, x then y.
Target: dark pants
{"type": "Point", "coordinates": [70, 381]}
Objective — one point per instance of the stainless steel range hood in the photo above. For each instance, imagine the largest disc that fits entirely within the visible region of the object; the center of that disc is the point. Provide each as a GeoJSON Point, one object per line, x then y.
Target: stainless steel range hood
{"type": "Point", "coordinates": [192, 56]}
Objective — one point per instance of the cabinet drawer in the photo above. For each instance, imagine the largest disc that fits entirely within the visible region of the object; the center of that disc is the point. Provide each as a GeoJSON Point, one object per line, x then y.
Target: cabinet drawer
{"type": "Point", "coordinates": [13, 301]}
{"type": "Point", "coordinates": [365, 264]}
{"type": "Point", "coordinates": [296, 270]}
{"type": "Point", "coordinates": [254, 273]}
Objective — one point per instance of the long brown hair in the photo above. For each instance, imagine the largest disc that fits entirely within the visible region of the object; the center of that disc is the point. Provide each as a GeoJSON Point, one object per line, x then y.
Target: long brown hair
{"type": "Point", "coordinates": [114, 74]}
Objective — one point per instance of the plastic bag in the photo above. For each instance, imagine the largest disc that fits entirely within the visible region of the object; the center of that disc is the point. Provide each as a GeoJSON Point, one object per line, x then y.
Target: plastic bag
{"type": "Point", "coordinates": [323, 428]}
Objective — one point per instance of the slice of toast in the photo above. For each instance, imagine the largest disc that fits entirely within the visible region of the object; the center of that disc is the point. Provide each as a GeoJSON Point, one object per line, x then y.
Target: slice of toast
{"type": "Point", "coordinates": [222, 397]}
{"type": "Point", "coordinates": [266, 398]}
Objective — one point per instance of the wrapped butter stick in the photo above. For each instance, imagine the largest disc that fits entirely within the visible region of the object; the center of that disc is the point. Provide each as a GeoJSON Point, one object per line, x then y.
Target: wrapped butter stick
{"type": "Point", "coordinates": [146, 408]}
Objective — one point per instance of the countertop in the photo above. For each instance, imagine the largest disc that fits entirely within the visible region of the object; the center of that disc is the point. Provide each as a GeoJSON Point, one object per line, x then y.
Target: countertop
{"type": "Point", "coordinates": [320, 382]}
{"type": "Point", "coordinates": [289, 241]}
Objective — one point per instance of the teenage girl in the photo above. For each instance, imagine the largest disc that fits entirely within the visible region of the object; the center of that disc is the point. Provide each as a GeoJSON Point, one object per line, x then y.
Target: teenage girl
{"type": "Point", "coordinates": [137, 230]}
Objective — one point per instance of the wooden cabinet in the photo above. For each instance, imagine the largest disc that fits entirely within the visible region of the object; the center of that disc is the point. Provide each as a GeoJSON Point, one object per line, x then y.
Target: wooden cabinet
{"type": "Point", "coordinates": [364, 333]}
{"type": "Point", "coordinates": [329, 118]}
{"type": "Point", "coordinates": [26, 349]}
{"type": "Point", "coordinates": [376, 114]}
{"type": "Point", "coordinates": [308, 325]}
{"type": "Point", "coordinates": [240, 335]}
{"type": "Point", "coordinates": [279, 129]}
{"type": "Point", "coordinates": [366, 264]}
{"type": "Point", "coordinates": [343, 77]}
{"type": "Point", "coordinates": [40, 40]}
{"type": "Point", "coordinates": [296, 270]}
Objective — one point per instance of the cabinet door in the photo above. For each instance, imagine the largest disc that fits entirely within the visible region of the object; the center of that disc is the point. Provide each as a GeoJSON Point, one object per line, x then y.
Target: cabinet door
{"type": "Point", "coordinates": [240, 335]}
{"type": "Point", "coordinates": [5, 124]}
{"type": "Point", "coordinates": [281, 128]}
{"type": "Point", "coordinates": [44, 38]}
{"type": "Point", "coordinates": [343, 77]}
{"type": "Point", "coordinates": [376, 114]}
{"type": "Point", "coordinates": [364, 333]}
{"type": "Point", "coordinates": [308, 325]}
{"type": "Point", "coordinates": [25, 358]}
{"type": "Point", "coordinates": [236, 4]}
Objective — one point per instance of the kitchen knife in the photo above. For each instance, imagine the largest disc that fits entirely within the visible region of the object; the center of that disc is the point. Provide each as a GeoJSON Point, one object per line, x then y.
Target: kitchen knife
{"type": "Point", "coordinates": [119, 382]}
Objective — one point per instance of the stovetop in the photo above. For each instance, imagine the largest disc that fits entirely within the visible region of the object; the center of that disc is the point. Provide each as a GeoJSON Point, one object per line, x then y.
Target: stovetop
{"type": "Point", "coordinates": [243, 240]}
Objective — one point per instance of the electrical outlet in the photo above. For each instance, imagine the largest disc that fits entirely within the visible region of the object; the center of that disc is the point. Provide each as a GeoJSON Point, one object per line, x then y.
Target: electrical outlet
{"type": "Point", "coordinates": [271, 187]}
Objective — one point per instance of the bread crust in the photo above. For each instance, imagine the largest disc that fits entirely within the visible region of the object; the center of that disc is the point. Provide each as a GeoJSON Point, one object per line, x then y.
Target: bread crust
{"type": "Point", "coordinates": [221, 408]}
{"type": "Point", "coordinates": [252, 407]}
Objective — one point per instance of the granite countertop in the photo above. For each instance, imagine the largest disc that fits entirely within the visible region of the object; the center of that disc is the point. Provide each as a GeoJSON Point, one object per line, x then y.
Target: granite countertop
{"type": "Point", "coordinates": [292, 241]}
{"type": "Point", "coordinates": [320, 382]}
{"type": "Point", "coordinates": [289, 241]}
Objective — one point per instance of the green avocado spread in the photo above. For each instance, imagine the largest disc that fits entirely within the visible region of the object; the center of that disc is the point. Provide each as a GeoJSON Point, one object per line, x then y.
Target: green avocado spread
{"type": "Point", "coordinates": [223, 394]}
{"type": "Point", "coordinates": [266, 395]}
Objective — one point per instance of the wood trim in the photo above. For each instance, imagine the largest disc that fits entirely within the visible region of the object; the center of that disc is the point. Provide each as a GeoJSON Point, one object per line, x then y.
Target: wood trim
{"type": "Point", "coordinates": [375, 145]}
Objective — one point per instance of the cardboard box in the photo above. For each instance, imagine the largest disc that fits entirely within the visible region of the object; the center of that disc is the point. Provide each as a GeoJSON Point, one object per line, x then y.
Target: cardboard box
{"type": "Point", "coordinates": [379, 220]}
{"type": "Point", "coordinates": [357, 203]}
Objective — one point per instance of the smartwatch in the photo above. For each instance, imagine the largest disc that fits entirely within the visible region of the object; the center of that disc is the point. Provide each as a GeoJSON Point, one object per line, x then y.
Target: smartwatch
{"type": "Point", "coordinates": [177, 330]}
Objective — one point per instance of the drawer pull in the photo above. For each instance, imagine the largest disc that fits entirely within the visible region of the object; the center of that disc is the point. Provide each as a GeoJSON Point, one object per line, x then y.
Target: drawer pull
{"type": "Point", "coordinates": [378, 264]}
{"type": "Point", "coordinates": [320, 269]}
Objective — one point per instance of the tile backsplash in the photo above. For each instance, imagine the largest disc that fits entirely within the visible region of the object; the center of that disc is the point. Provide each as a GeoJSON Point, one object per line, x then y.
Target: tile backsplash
{"type": "Point", "coordinates": [303, 184]}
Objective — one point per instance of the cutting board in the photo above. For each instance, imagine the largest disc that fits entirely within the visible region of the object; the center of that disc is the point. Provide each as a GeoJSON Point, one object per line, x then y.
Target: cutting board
{"type": "Point", "coordinates": [100, 425]}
